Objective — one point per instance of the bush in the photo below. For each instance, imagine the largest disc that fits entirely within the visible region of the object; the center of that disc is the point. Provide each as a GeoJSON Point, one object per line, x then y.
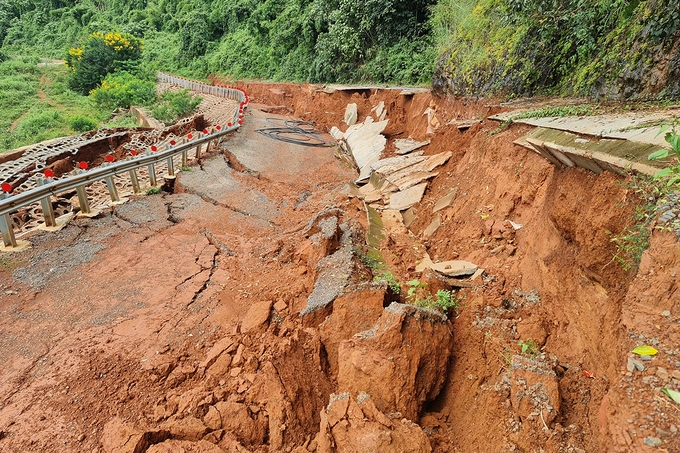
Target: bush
{"type": "Point", "coordinates": [123, 89]}
{"type": "Point", "coordinates": [100, 55]}
{"type": "Point", "coordinates": [82, 124]}
{"type": "Point", "coordinates": [175, 105]}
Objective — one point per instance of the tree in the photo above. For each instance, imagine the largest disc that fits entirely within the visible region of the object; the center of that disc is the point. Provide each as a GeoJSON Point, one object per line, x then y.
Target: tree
{"type": "Point", "coordinates": [99, 55]}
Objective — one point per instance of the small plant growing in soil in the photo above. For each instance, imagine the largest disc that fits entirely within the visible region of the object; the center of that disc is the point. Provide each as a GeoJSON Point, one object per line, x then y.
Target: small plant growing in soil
{"type": "Point", "coordinates": [153, 191]}
{"type": "Point", "coordinates": [529, 348]}
{"type": "Point", "coordinates": [442, 301]}
{"type": "Point", "coordinates": [392, 282]}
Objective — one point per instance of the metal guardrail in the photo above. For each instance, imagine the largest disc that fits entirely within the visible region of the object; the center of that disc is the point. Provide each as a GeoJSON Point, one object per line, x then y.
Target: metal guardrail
{"type": "Point", "coordinates": [82, 178]}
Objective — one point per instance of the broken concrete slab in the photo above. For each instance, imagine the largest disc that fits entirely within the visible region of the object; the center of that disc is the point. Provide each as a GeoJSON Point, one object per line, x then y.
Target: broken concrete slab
{"type": "Point", "coordinates": [406, 145]}
{"type": "Point", "coordinates": [336, 133]}
{"type": "Point", "coordinates": [393, 221]}
{"type": "Point", "coordinates": [366, 143]}
{"type": "Point", "coordinates": [446, 201]}
{"type": "Point", "coordinates": [455, 268]}
{"type": "Point", "coordinates": [436, 160]}
{"type": "Point", "coordinates": [407, 198]}
{"type": "Point", "coordinates": [351, 114]}
{"type": "Point", "coordinates": [412, 179]}
{"type": "Point", "coordinates": [425, 263]}
{"type": "Point", "coordinates": [397, 163]}
{"type": "Point", "coordinates": [617, 156]}
{"type": "Point", "coordinates": [409, 216]}
{"type": "Point", "coordinates": [432, 227]}
{"type": "Point", "coordinates": [379, 109]}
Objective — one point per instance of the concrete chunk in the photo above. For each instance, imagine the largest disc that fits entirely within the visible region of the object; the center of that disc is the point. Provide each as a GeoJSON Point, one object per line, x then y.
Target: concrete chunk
{"type": "Point", "coordinates": [433, 227]}
{"type": "Point", "coordinates": [407, 198]}
{"type": "Point", "coordinates": [351, 114]}
{"type": "Point", "coordinates": [455, 268]}
{"type": "Point", "coordinates": [406, 145]}
{"type": "Point", "coordinates": [446, 201]}
{"type": "Point", "coordinates": [366, 144]}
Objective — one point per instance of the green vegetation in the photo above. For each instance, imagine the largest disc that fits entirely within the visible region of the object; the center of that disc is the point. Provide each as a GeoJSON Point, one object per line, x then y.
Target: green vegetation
{"type": "Point", "coordinates": [299, 40]}
{"type": "Point", "coordinates": [670, 174]}
{"type": "Point", "coordinates": [442, 301]}
{"type": "Point", "coordinates": [529, 348]}
{"type": "Point", "coordinates": [601, 48]}
{"type": "Point", "coordinates": [153, 191]}
{"type": "Point", "coordinates": [122, 89]}
{"type": "Point", "coordinates": [392, 281]}
{"type": "Point", "coordinates": [634, 239]}
{"type": "Point", "coordinates": [172, 106]}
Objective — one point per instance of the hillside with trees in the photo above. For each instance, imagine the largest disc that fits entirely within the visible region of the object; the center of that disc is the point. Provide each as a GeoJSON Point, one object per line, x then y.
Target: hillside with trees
{"type": "Point", "coordinates": [612, 49]}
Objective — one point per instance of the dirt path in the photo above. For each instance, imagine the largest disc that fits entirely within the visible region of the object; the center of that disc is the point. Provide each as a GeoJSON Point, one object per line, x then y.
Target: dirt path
{"type": "Point", "coordinates": [43, 97]}
{"type": "Point", "coordinates": [174, 322]}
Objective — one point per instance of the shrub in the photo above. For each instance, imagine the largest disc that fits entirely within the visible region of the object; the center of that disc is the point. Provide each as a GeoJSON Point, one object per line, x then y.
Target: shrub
{"type": "Point", "coordinates": [175, 105]}
{"type": "Point", "coordinates": [82, 124]}
{"type": "Point", "coordinates": [99, 55]}
{"type": "Point", "coordinates": [123, 89]}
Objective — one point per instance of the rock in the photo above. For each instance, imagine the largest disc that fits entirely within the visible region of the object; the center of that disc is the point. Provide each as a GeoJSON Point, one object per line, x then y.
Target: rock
{"type": "Point", "coordinates": [235, 418]}
{"type": "Point", "coordinates": [666, 313]}
{"type": "Point", "coordinates": [446, 201]}
{"type": "Point", "coordinates": [393, 364]}
{"type": "Point", "coordinates": [676, 374]}
{"type": "Point", "coordinates": [256, 319]}
{"type": "Point", "coordinates": [645, 358]}
{"type": "Point", "coordinates": [188, 428]}
{"type": "Point", "coordinates": [351, 114]}
{"type": "Point", "coordinates": [653, 441]}
{"type": "Point", "coordinates": [405, 199]}
{"type": "Point", "coordinates": [534, 389]}
{"type": "Point", "coordinates": [214, 352]}
{"type": "Point", "coordinates": [212, 419]}
{"type": "Point", "coordinates": [221, 365]}
{"type": "Point", "coordinates": [185, 446]}
{"type": "Point", "coordinates": [280, 306]}
{"type": "Point", "coordinates": [353, 312]}
{"type": "Point", "coordinates": [455, 268]}
{"type": "Point", "coordinates": [349, 425]}
{"type": "Point", "coordinates": [662, 373]}
{"type": "Point", "coordinates": [121, 437]}
{"type": "Point", "coordinates": [409, 217]}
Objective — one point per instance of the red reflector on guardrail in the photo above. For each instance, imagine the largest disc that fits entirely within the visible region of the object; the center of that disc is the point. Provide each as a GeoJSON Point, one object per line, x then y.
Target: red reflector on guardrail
{"type": "Point", "coordinates": [153, 148]}
{"type": "Point", "coordinates": [7, 188]}
{"type": "Point", "coordinates": [83, 165]}
{"type": "Point", "coordinates": [110, 158]}
{"type": "Point", "coordinates": [49, 174]}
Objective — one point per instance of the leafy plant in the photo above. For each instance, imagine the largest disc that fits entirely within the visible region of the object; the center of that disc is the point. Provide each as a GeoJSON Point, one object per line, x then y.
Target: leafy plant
{"type": "Point", "coordinates": [153, 191]}
{"type": "Point", "coordinates": [392, 282]}
{"type": "Point", "coordinates": [673, 139]}
{"type": "Point", "coordinates": [442, 301]}
{"type": "Point", "coordinates": [122, 89]}
{"type": "Point", "coordinates": [175, 105]}
{"type": "Point", "coordinates": [102, 54]}
{"type": "Point", "coordinates": [82, 124]}
{"type": "Point", "coordinates": [528, 348]}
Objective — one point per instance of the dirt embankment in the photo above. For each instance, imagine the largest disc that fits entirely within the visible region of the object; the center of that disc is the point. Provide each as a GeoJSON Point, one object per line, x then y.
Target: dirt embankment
{"type": "Point", "coordinates": [535, 361]}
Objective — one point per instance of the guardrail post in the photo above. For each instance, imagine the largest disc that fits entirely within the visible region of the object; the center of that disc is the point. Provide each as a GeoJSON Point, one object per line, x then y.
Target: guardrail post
{"type": "Point", "coordinates": [152, 175]}
{"type": "Point", "coordinates": [6, 229]}
{"type": "Point", "coordinates": [134, 181]}
{"type": "Point", "coordinates": [113, 193]}
{"type": "Point", "coordinates": [82, 199]}
{"type": "Point", "coordinates": [171, 166]}
{"type": "Point", "coordinates": [46, 203]}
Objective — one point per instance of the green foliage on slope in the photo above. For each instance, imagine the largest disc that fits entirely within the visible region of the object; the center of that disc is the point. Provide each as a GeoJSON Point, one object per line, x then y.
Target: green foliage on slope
{"type": "Point", "coordinates": [603, 48]}
{"type": "Point", "coordinates": [301, 40]}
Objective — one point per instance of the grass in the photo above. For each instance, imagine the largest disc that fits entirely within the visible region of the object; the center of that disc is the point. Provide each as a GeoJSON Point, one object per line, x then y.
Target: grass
{"type": "Point", "coordinates": [442, 301]}
{"type": "Point", "coordinates": [36, 104]}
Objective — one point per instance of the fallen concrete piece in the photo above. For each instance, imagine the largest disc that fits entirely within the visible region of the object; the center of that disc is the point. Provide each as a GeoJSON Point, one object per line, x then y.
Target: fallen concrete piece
{"type": "Point", "coordinates": [455, 268]}
{"type": "Point", "coordinates": [433, 227]}
{"type": "Point", "coordinates": [412, 179]}
{"type": "Point", "coordinates": [406, 145]}
{"type": "Point", "coordinates": [379, 109]}
{"type": "Point", "coordinates": [409, 217]}
{"type": "Point", "coordinates": [618, 156]}
{"type": "Point", "coordinates": [366, 143]}
{"type": "Point", "coordinates": [336, 133]}
{"type": "Point", "coordinates": [407, 198]}
{"type": "Point", "coordinates": [446, 201]}
{"type": "Point", "coordinates": [351, 114]}
{"type": "Point", "coordinates": [394, 164]}
{"type": "Point", "coordinates": [436, 160]}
